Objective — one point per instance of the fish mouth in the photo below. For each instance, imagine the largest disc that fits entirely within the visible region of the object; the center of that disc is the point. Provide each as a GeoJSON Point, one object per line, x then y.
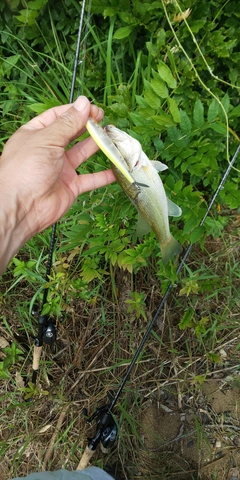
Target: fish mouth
{"type": "Point", "coordinates": [108, 130]}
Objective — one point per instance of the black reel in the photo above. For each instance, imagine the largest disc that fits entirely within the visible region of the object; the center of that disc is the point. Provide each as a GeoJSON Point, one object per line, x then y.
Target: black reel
{"type": "Point", "coordinates": [47, 330]}
{"type": "Point", "coordinates": [49, 333]}
{"type": "Point", "coordinates": [109, 433]}
{"type": "Point", "coordinates": [106, 432]}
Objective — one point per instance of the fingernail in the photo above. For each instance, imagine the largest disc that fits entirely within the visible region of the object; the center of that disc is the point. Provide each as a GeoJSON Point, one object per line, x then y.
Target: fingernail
{"type": "Point", "coordinates": [81, 103]}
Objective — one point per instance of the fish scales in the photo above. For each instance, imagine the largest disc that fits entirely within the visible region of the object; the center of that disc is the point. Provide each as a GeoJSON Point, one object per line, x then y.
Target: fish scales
{"type": "Point", "coordinates": [151, 201]}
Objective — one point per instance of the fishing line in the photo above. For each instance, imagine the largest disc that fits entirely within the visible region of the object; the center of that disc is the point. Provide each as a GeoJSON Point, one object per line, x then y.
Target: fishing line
{"type": "Point", "coordinates": [76, 59]}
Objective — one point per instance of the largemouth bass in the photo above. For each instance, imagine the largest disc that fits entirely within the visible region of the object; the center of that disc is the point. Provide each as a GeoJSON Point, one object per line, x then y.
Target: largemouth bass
{"type": "Point", "coordinates": [147, 192]}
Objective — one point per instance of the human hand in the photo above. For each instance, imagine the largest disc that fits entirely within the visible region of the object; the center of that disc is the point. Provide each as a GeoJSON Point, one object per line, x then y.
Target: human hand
{"type": "Point", "coordinates": [35, 165]}
{"type": "Point", "coordinates": [38, 178]}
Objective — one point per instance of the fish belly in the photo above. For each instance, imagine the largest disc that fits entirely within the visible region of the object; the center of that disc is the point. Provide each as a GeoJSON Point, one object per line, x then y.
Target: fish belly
{"type": "Point", "coordinates": [151, 203]}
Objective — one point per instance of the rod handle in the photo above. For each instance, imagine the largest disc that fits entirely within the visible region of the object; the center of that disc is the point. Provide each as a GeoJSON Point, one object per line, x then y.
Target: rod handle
{"type": "Point", "coordinates": [86, 457]}
{"type": "Point", "coordinates": [36, 357]}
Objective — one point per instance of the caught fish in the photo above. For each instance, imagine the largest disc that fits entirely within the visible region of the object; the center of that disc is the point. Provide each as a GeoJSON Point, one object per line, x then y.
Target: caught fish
{"type": "Point", "coordinates": [147, 192]}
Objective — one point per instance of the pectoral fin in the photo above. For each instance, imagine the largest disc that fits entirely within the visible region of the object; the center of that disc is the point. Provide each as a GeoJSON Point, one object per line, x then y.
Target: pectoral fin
{"type": "Point", "coordinates": [159, 166]}
{"type": "Point", "coordinates": [142, 227]}
{"type": "Point", "coordinates": [173, 209]}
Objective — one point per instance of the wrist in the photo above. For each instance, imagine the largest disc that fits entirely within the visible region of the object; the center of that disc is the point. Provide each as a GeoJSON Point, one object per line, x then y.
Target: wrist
{"type": "Point", "coordinates": [14, 228]}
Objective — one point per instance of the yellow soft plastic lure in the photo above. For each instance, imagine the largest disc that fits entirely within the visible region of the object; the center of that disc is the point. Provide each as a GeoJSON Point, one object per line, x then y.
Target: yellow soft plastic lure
{"type": "Point", "coordinates": [107, 146]}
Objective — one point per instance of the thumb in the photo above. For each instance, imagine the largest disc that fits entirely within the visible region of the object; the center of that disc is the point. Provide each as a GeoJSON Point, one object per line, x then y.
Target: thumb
{"type": "Point", "coordinates": [70, 124]}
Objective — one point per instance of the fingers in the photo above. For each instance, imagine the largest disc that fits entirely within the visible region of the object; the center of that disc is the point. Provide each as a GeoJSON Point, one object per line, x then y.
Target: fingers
{"type": "Point", "coordinates": [69, 125]}
{"type": "Point", "coordinates": [91, 181]}
{"type": "Point", "coordinates": [46, 118]}
{"type": "Point", "coordinates": [65, 123]}
{"type": "Point", "coordinates": [96, 112]}
{"type": "Point", "coordinates": [81, 151]}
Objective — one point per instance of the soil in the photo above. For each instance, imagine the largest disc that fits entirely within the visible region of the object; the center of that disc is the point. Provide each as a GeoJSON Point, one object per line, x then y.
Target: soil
{"type": "Point", "coordinates": [193, 444]}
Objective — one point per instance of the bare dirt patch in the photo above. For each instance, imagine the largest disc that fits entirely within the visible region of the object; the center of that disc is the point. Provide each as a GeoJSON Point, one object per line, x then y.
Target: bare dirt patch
{"type": "Point", "coordinates": [200, 441]}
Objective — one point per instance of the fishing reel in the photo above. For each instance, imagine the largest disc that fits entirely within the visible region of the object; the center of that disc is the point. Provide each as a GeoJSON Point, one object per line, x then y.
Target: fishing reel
{"type": "Point", "coordinates": [47, 330]}
{"type": "Point", "coordinates": [106, 431]}
{"type": "Point", "coordinates": [49, 333]}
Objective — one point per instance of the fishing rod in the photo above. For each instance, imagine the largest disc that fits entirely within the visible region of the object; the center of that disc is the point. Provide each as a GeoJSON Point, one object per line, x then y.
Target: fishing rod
{"type": "Point", "coordinates": [106, 432]}
{"type": "Point", "coordinates": [47, 330]}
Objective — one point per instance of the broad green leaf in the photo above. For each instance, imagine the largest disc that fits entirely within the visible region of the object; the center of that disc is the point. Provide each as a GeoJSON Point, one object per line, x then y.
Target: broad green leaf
{"type": "Point", "coordinates": [178, 139]}
{"type": "Point", "coordinates": [123, 32]}
{"type": "Point", "coordinates": [215, 226]}
{"type": "Point", "coordinates": [143, 7]}
{"type": "Point", "coordinates": [231, 197]}
{"type": "Point", "coordinates": [90, 270]}
{"type": "Point", "coordinates": [127, 17]}
{"type": "Point", "coordinates": [110, 11]}
{"type": "Point", "coordinates": [120, 109]}
{"type": "Point", "coordinates": [196, 234]}
{"type": "Point", "coordinates": [42, 107]}
{"type": "Point", "coordinates": [197, 25]}
{"type": "Point", "coordinates": [158, 144]}
{"type": "Point", "coordinates": [140, 101]}
{"type": "Point", "coordinates": [178, 186]}
{"type": "Point", "coordinates": [190, 224]}
{"type": "Point", "coordinates": [161, 37]}
{"type": "Point", "coordinates": [153, 49]}
{"type": "Point", "coordinates": [185, 124]}
{"type": "Point", "coordinates": [8, 106]}
{"type": "Point", "coordinates": [235, 113]}
{"type": "Point", "coordinates": [159, 87]}
{"type": "Point", "coordinates": [213, 110]}
{"type": "Point", "coordinates": [150, 96]}
{"type": "Point", "coordinates": [174, 110]}
{"type": "Point", "coordinates": [226, 102]}
{"type": "Point", "coordinates": [226, 105]}
{"type": "Point", "coordinates": [166, 74]}
{"type": "Point", "coordinates": [164, 120]}
{"type": "Point", "coordinates": [198, 114]}
{"type": "Point", "coordinates": [138, 120]}
{"type": "Point", "coordinates": [147, 112]}
{"type": "Point", "coordinates": [219, 128]}
{"type": "Point", "coordinates": [174, 134]}
{"type": "Point", "coordinates": [9, 63]}
{"type": "Point", "coordinates": [152, 99]}
{"type": "Point", "coordinates": [27, 16]}
{"type": "Point", "coordinates": [37, 4]}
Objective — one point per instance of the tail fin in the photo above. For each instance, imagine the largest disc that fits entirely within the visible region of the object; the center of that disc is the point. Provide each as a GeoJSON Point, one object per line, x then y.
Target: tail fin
{"type": "Point", "coordinates": [169, 249]}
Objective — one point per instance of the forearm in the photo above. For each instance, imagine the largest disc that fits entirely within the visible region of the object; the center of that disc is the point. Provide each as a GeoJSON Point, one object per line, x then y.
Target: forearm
{"type": "Point", "coordinates": [14, 228]}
